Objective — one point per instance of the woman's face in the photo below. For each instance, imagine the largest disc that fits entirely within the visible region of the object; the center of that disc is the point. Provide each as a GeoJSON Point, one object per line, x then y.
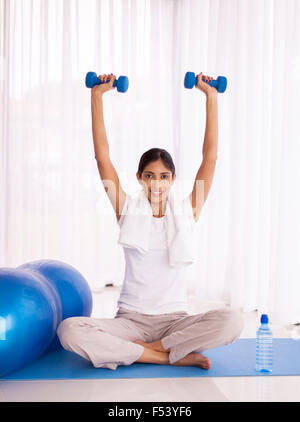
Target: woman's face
{"type": "Point", "coordinates": [156, 181]}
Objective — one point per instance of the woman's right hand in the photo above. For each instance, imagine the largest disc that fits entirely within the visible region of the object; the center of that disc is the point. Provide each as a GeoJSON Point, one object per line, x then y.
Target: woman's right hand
{"type": "Point", "coordinates": [104, 86]}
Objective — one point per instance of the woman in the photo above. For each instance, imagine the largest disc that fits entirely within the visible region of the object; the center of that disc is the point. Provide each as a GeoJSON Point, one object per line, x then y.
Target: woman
{"type": "Point", "coordinates": [152, 324]}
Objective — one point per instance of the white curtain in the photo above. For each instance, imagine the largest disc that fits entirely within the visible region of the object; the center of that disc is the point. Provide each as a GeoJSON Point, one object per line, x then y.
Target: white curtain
{"type": "Point", "coordinates": [53, 204]}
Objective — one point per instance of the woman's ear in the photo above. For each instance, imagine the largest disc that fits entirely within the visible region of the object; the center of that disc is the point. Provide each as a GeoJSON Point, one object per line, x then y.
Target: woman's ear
{"type": "Point", "coordinates": [139, 179]}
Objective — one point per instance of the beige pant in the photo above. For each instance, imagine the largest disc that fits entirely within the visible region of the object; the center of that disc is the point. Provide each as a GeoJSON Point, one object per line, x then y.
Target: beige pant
{"type": "Point", "coordinates": [108, 342]}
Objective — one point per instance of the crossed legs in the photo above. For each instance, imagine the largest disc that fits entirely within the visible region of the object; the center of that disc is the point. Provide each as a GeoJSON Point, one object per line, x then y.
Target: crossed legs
{"type": "Point", "coordinates": [121, 341]}
{"type": "Point", "coordinates": [186, 338]}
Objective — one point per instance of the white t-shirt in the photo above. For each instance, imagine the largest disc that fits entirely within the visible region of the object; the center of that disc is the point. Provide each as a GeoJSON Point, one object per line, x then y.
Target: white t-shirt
{"type": "Point", "coordinates": [150, 284]}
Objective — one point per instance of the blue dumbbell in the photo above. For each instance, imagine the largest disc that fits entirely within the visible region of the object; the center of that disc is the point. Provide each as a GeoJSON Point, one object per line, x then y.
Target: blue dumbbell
{"type": "Point", "coordinates": [190, 81]}
{"type": "Point", "coordinates": [92, 79]}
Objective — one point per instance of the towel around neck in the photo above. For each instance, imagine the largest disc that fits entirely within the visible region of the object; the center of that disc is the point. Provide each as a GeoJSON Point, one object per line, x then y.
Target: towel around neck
{"type": "Point", "coordinates": [180, 227]}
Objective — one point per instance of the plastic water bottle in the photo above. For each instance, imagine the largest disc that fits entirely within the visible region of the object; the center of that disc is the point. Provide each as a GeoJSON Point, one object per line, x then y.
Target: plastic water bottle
{"type": "Point", "coordinates": [264, 346]}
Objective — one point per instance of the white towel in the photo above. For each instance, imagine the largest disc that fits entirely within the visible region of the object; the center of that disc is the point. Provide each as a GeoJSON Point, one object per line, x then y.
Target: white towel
{"type": "Point", "coordinates": [180, 226]}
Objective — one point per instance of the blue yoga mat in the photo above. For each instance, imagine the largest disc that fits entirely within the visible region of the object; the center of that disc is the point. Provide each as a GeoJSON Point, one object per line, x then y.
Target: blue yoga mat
{"type": "Point", "coordinates": [233, 360]}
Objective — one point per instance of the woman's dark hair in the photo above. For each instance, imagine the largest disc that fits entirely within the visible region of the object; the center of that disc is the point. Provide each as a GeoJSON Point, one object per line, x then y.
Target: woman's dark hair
{"type": "Point", "coordinates": [155, 154]}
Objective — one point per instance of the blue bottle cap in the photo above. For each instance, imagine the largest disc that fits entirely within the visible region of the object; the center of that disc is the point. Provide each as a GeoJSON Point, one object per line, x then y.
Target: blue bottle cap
{"type": "Point", "coordinates": [264, 319]}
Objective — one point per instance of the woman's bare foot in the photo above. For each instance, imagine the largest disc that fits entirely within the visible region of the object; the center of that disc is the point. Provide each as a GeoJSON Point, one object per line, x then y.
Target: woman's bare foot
{"type": "Point", "coordinates": [192, 359]}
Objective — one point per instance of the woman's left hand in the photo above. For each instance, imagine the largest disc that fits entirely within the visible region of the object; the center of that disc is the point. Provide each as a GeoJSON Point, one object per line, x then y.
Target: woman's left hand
{"type": "Point", "coordinates": [203, 86]}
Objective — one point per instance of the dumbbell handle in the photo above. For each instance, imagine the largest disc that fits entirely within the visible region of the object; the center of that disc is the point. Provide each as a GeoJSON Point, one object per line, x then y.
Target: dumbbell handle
{"type": "Point", "coordinates": [214, 83]}
{"type": "Point", "coordinates": [220, 84]}
{"type": "Point", "coordinates": [92, 79]}
{"type": "Point", "coordinates": [98, 82]}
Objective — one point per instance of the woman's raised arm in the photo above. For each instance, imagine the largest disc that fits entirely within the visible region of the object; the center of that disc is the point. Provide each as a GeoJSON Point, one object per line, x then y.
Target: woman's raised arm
{"type": "Point", "coordinates": [106, 169]}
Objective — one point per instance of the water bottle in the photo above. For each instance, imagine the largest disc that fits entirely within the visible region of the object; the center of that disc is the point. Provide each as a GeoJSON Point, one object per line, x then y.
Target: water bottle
{"type": "Point", "coordinates": [264, 346]}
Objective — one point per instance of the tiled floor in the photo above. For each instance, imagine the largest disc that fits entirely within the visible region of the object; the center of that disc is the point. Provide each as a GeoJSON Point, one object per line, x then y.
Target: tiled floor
{"type": "Point", "coordinates": [219, 389]}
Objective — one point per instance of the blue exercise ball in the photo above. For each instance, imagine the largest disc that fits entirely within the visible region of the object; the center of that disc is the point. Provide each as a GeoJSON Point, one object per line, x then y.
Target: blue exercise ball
{"type": "Point", "coordinates": [28, 318]}
{"type": "Point", "coordinates": [73, 290]}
